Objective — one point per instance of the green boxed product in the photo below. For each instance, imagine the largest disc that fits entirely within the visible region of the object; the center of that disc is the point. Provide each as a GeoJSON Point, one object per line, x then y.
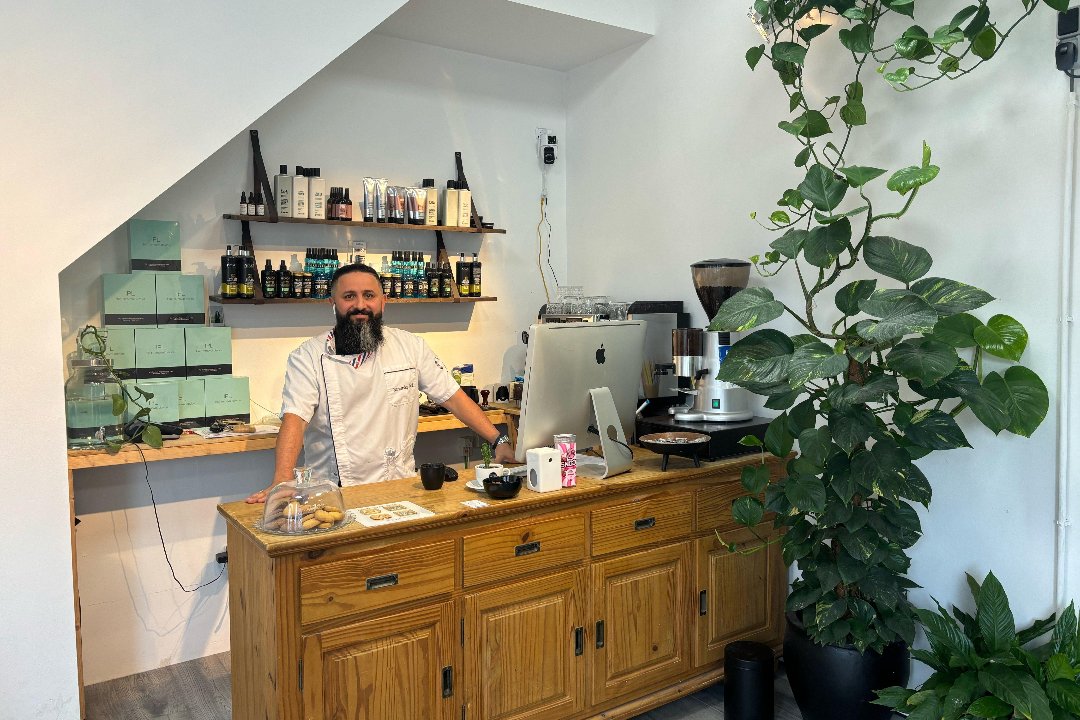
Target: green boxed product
{"type": "Point", "coordinates": [181, 299]}
{"type": "Point", "coordinates": [130, 300]}
{"type": "Point", "coordinates": [209, 350]}
{"type": "Point", "coordinates": [120, 349]}
{"type": "Point", "coordinates": [227, 397]}
{"type": "Point", "coordinates": [155, 245]}
{"type": "Point", "coordinates": [159, 353]}
{"type": "Point", "coordinates": [192, 403]}
{"type": "Point", "coordinates": [164, 406]}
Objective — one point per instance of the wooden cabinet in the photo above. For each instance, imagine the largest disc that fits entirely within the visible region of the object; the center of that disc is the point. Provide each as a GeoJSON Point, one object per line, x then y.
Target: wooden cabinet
{"type": "Point", "coordinates": [604, 600]}
{"type": "Point", "coordinates": [400, 666]}
{"type": "Point", "coordinates": [740, 597]}
{"type": "Point", "coordinates": [641, 632]}
{"type": "Point", "coordinates": [525, 647]}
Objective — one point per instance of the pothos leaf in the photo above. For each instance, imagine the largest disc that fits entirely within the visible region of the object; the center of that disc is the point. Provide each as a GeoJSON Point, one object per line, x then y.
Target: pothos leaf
{"type": "Point", "coordinates": [754, 55]}
{"type": "Point", "coordinates": [151, 435]}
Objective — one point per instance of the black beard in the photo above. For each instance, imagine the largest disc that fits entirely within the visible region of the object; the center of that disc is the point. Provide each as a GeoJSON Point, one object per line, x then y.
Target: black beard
{"type": "Point", "coordinates": [360, 337]}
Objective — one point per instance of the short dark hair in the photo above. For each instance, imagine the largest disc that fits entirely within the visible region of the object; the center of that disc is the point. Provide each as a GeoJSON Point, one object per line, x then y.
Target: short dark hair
{"type": "Point", "coordinates": [351, 268]}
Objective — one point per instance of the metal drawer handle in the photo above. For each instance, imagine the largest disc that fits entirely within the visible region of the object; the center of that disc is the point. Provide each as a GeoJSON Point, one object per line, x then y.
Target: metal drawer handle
{"type": "Point", "coordinates": [579, 641]}
{"type": "Point", "coordinates": [448, 681]}
{"type": "Point", "coordinates": [599, 634]}
{"type": "Point", "coordinates": [382, 581]}
{"type": "Point", "coordinates": [527, 549]}
{"type": "Point", "coordinates": [645, 523]}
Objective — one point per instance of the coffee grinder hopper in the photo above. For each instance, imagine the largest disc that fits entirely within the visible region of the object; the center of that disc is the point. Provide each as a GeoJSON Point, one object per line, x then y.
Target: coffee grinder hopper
{"type": "Point", "coordinates": [698, 353]}
{"type": "Point", "coordinates": [717, 280]}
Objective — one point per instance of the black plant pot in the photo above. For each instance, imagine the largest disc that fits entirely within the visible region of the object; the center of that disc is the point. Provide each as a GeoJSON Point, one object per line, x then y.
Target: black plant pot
{"type": "Point", "coordinates": [834, 682]}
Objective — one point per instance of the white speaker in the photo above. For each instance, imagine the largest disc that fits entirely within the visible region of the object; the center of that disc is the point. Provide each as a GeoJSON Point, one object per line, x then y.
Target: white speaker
{"type": "Point", "coordinates": [543, 465]}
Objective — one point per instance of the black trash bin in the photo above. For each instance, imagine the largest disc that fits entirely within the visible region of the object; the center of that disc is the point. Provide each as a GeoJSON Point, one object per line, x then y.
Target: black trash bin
{"type": "Point", "coordinates": [748, 681]}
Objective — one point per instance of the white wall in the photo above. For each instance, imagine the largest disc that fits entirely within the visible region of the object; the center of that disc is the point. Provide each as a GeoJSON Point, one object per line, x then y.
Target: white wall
{"type": "Point", "coordinates": [386, 107]}
{"type": "Point", "coordinates": [672, 145]}
{"type": "Point", "coordinates": [127, 97]}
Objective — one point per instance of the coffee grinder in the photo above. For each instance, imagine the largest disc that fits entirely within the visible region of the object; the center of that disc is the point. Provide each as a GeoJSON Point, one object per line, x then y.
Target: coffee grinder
{"type": "Point", "coordinates": [720, 409]}
{"type": "Point", "coordinates": [698, 353]}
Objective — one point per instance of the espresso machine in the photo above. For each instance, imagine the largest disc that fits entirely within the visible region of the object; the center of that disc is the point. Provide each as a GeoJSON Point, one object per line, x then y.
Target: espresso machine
{"type": "Point", "coordinates": [719, 409]}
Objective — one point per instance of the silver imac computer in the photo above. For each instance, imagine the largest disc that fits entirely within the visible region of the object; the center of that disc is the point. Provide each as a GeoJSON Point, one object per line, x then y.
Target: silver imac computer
{"type": "Point", "coordinates": [579, 375]}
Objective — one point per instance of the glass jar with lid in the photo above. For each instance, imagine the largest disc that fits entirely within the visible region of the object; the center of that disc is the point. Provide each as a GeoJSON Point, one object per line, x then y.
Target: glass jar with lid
{"type": "Point", "coordinates": [89, 404]}
{"type": "Point", "coordinates": [303, 505]}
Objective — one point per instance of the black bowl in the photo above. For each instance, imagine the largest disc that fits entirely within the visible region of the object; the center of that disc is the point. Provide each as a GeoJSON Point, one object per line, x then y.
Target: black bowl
{"type": "Point", "coordinates": [502, 487]}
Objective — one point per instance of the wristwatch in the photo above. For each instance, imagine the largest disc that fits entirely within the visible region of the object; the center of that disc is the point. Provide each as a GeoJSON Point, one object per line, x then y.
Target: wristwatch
{"type": "Point", "coordinates": [504, 438]}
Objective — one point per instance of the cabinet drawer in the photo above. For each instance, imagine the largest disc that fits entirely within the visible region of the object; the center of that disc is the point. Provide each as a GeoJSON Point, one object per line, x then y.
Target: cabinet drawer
{"type": "Point", "coordinates": [370, 582]}
{"type": "Point", "coordinates": [714, 506]}
{"type": "Point", "coordinates": [644, 522]}
{"type": "Point", "coordinates": [523, 548]}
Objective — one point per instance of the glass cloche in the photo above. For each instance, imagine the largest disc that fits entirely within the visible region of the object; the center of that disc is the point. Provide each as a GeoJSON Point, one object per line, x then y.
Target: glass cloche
{"type": "Point", "coordinates": [303, 505]}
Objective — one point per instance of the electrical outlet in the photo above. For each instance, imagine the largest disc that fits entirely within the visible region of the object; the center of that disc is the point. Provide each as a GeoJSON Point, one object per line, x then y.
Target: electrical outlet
{"type": "Point", "coordinates": [546, 147]}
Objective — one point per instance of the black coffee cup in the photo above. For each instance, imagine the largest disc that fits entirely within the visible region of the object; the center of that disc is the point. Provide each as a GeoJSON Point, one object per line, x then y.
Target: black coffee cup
{"type": "Point", "coordinates": [472, 392]}
{"type": "Point", "coordinates": [432, 475]}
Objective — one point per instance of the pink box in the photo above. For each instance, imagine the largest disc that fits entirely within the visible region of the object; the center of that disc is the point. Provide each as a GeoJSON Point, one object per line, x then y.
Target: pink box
{"type": "Point", "coordinates": [567, 447]}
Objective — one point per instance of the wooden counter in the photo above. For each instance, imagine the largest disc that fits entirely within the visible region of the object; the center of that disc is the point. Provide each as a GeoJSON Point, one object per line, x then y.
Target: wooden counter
{"type": "Point", "coordinates": [604, 600]}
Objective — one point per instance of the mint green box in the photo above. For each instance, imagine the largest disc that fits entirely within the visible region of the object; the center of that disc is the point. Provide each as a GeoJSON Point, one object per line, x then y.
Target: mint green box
{"type": "Point", "coordinates": [120, 349]}
{"type": "Point", "coordinates": [209, 350]}
{"type": "Point", "coordinates": [192, 402]}
{"type": "Point", "coordinates": [181, 299]}
{"type": "Point", "coordinates": [227, 397]}
{"type": "Point", "coordinates": [159, 353]}
{"type": "Point", "coordinates": [130, 299]}
{"type": "Point", "coordinates": [164, 406]}
{"type": "Point", "coordinates": [155, 245]}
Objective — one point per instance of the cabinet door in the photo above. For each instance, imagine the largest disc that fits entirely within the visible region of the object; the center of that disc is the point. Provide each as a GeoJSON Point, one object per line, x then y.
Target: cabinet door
{"type": "Point", "coordinates": [524, 648]}
{"type": "Point", "coordinates": [642, 611]}
{"type": "Point", "coordinates": [398, 666]}
{"type": "Point", "coordinates": [741, 597]}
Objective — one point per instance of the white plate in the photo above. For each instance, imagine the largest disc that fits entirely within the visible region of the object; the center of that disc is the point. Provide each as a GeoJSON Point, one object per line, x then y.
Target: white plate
{"type": "Point", "coordinates": [475, 484]}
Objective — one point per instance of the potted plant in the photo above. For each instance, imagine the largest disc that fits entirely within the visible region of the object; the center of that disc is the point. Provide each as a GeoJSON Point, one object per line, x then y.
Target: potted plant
{"type": "Point", "coordinates": [982, 668]}
{"type": "Point", "coordinates": [92, 347]}
{"type": "Point", "coordinates": [872, 386]}
{"type": "Point", "coordinates": [486, 466]}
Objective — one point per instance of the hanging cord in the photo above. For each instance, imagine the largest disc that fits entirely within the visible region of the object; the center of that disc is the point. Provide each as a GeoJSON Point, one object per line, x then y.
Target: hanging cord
{"type": "Point", "coordinates": [540, 240]}
{"type": "Point", "coordinates": [161, 536]}
{"type": "Point", "coordinates": [540, 248]}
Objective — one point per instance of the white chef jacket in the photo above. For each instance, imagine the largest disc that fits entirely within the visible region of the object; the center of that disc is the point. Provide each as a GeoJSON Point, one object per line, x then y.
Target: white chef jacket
{"type": "Point", "coordinates": [362, 411]}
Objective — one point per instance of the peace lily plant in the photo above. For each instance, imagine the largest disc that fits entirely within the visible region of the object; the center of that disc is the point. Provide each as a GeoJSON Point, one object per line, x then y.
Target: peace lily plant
{"type": "Point", "coordinates": [869, 388]}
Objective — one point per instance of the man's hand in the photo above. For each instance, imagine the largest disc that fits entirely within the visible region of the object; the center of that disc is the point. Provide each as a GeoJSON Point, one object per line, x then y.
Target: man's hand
{"type": "Point", "coordinates": [504, 453]}
{"type": "Point", "coordinates": [261, 495]}
{"type": "Point", "coordinates": [269, 494]}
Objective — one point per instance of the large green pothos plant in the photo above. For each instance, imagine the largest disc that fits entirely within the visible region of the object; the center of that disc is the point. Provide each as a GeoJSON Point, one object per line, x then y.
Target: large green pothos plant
{"type": "Point", "coordinates": [877, 384]}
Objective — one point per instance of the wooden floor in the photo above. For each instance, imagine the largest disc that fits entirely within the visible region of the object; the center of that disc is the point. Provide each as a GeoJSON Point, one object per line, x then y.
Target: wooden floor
{"type": "Point", "coordinates": [199, 690]}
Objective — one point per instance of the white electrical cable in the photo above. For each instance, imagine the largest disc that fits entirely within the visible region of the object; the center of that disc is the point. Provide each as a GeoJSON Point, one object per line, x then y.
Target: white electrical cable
{"type": "Point", "coordinates": [1064, 471]}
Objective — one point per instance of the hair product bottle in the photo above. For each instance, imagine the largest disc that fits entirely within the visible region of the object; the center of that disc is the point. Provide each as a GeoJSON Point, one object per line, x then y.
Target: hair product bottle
{"type": "Point", "coordinates": [230, 274]}
{"type": "Point", "coordinates": [260, 206]}
{"type": "Point", "coordinates": [431, 202]}
{"type": "Point", "coordinates": [317, 194]}
{"type": "Point", "coordinates": [243, 203]}
{"type": "Point", "coordinates": [450, 211]}
{"type": "Point", "coordinates": [474, 282]}
{"type": "Point", "coordinates": [300, 193]}
{"type": "Point", "coordinates": [283, 192]}
{"type": "Point", "coordinates": [284, 280]}
{"type": "Point", "coordinates": [464, 206]}
{"type": "Point", "coordinates": [346, 212]}
{"type": "Point", "coordinates": [269, 281]}
{"type": "Point", "coordinates": [464, 276]}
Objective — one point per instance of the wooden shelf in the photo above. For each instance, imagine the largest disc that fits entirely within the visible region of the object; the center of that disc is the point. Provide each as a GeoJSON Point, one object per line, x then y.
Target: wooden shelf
{"type": "Point", "coordinates": [190, 446]}
{"type": "Point", "coordinates": [276, 301]}
{"type": "Point", "coordinates": [361, 224]}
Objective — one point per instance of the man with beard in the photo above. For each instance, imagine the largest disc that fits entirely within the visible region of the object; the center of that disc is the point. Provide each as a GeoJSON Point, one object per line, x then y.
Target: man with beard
{"type": "Point", "coordinates": [351, 396]}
